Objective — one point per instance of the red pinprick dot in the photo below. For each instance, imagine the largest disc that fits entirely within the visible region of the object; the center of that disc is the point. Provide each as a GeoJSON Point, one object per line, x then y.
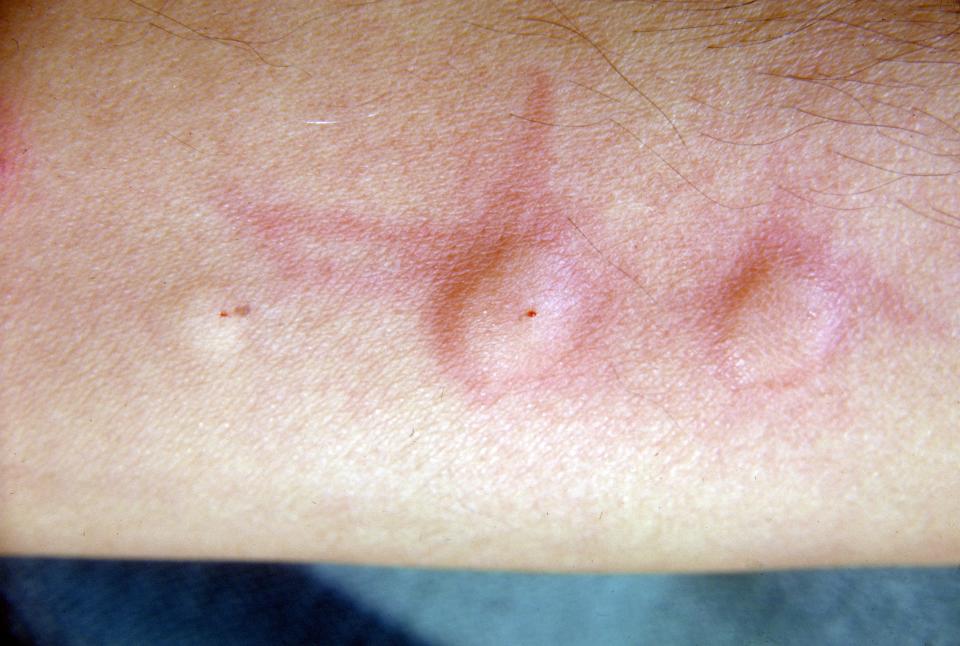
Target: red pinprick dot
{"type": "Point", "coordinates": [531, 313]}
{"type": "Point", "coordinates": [224, 313]}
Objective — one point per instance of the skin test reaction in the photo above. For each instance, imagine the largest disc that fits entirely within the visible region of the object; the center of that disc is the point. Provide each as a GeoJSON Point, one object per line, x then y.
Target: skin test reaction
{"type": "Point", "coordinates": [528, 294]}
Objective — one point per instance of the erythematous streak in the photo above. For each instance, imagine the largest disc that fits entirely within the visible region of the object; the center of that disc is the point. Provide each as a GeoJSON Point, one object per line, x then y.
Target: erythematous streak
{"type": "Point", "coordinates": [549, 285]}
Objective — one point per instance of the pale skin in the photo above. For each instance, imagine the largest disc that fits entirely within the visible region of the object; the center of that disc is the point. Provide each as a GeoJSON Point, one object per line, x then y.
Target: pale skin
{"type": "Point", "coordinates": [252, 258]}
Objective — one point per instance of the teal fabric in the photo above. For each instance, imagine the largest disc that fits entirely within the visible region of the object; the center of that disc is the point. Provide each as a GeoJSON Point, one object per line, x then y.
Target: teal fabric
{"type": "Point", "coordinates": [879, 607]}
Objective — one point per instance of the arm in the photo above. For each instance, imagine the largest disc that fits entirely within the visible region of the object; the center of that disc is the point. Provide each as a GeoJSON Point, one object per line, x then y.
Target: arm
{"type": "Point", "coordinates": [618, 287]}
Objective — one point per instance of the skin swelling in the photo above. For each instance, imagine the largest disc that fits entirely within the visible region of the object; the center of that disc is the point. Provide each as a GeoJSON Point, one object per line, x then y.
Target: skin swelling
{"type": "Point", "coordinates": [565, 286]}
{"type": "Point", "coordinates": [527, 301]}
{"type": "Point", "coordinates": [514, 301]}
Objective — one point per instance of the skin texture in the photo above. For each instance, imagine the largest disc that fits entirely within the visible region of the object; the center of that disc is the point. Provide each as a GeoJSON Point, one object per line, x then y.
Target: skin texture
{"type": "Point", "coordinates": [512, 298]}
{"type": "Point", "coordinates": [522, 298]}
{"type": "Point", "coordinates": [617, 286]}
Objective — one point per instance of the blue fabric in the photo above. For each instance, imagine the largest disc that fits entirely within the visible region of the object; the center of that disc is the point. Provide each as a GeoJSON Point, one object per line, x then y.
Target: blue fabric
{"type": "Point", "coordinates": [65, 602]}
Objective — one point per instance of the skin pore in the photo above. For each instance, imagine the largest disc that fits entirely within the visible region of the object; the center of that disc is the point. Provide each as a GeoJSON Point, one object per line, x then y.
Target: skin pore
{"type": "Point", "coordinates": [609, 286]}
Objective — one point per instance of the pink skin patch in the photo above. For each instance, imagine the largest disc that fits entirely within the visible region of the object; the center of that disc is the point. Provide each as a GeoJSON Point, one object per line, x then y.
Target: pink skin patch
{"type": "Point", "coordinates": [527, 305]}
{"type": "Point", "coordinates": [12, 152]}
{"type": "Point", "coordinates": [512, 294]}
{"type": "Point", "coordinates": [524, 292]}
{"type": "Point", "coordinates": [781, 311]}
